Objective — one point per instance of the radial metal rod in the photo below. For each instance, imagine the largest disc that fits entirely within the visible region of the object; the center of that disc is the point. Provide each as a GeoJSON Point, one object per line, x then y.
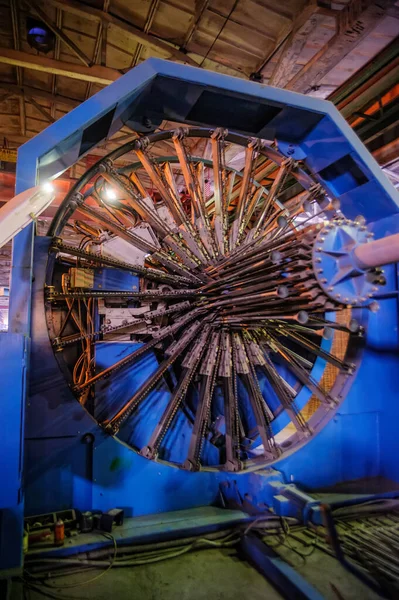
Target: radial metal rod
{"type": "Point", "coordinates": [120, 417]}
{"type": "Point", "coordinates": [208, 373]}
{"type": "Point", "coordinates": [100, 259]}
{"type": "Point", "coordinates": [149, 316]}
{"type": "Point", "coordinates": [189, 366]}
{"type": "Point", "coordinates": [163, 333]}
{"type": "Point", "coordinates": [147, 295]}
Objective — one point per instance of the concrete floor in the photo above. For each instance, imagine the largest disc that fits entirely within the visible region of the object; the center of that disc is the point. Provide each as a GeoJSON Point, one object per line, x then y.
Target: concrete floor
{"type": "Point", "coordinates": [216, 574]}
{"type": "Point", "coordinates": [213, 573]}
{"type": "Point", "coordinates": [327, 575]}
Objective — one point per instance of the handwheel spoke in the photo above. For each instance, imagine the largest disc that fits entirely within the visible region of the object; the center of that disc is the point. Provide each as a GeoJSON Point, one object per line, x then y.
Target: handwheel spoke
{"type": "Point", "coordinates": [285, 395]}
{"type": "Point", "coordinates": [315, 349]}
{"type": "Point", "coordinates": [163, 333]}
{"type": "Point", "coordinates": [278, 182]}
{"type": "Point", "coordinates": [227, 372]}
{"type": "Point", "coordinates": [245, 370]}
{"type": "Point", "coordinates": [219, 176]}
{"type": "Point", "coordinates": [194, 189]}
{"type": "Point", "coordinates": [173, 352]}
{"type": "Point", "coordinates": [239, 223]}
{"type": "Point", "coordinates": [190, 364]}
{"type": "Point", "coordinates": [189, 230]}
{"type": "Point", "coordinates": [290, 359]}
{"type": "Point", "coordinates": [207, 372]}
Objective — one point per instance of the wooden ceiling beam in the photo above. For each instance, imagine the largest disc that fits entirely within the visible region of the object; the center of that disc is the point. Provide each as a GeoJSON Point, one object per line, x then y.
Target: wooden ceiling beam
{"type": "Point", "coordinates": [147, 26]}
{"type": "Point", "coordinates": [24, 90]}
{"type": "Point", "coordinates": [302, 27]}
{"type": "Point", "coordinates": [15, 29]}
{"type": "Point", "coordinates": [96, 73]}
{"type": "Point", "coordinates": [146, 39]}
{"type": "Point", "coordinates": [40, 109]}
{"type": "Point", "coordinates": [14, 138]}
{"type": "Point", "coordinates": [59, 33]}
{"type": "Point", "coordinates": [200, 8]}
{"type": "Point", "coordinates": [353, 26]}
{"type": "Point", "coordinates": [56, 55]}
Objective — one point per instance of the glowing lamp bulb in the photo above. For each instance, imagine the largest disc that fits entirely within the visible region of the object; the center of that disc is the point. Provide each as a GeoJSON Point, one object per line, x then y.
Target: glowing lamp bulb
{"type": "Point", "coordinates": [110, 194]}
{"type": "Point", "coordinates": [48, 187]}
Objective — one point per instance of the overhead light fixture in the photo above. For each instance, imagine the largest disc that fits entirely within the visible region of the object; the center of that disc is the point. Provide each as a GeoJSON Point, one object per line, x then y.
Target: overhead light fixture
{"type": "Point", "coordinates": [110, 194]}
{"type": "Point", "coordinates": [39, 35]}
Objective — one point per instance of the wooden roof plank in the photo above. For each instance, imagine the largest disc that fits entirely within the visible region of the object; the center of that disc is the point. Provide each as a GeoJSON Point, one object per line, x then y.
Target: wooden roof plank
{"type": "Point", "coordinates": [146, 39]}
{"type": "Point", "coordinates": [17, 90]}
{"type": "Point", "coordinates": [352, 28]}
{"type": "Point", "coordinates": [302, 27]}
{"type": "Point", "coordinates": [96, 73]}
{"type": "Point", "coordinates": [60, 33]}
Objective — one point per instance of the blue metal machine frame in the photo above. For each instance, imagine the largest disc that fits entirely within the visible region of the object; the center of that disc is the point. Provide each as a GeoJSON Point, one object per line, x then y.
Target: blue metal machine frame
{"type": "Point", "coordinates": [69, 462]}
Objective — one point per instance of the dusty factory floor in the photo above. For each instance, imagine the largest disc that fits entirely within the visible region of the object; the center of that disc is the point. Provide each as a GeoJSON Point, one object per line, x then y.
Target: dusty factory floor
{"type": "Point", "coordinates": [216, 574]}
{"type": "Point", "coordinates": [327, 575]}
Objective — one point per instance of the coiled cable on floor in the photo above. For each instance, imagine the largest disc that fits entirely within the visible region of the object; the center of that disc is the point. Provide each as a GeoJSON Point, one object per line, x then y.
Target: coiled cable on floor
{"type": "Point", "coordinates": [141, 556]}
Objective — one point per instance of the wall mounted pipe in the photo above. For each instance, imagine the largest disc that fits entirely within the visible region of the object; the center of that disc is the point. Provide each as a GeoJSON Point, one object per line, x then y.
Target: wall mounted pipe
{"type": "Point", "coordinates": [377, 253]}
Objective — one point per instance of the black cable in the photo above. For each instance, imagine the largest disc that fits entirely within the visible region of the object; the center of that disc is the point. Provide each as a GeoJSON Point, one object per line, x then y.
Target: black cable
{"type": "Point", "coordinates": [220, 32]}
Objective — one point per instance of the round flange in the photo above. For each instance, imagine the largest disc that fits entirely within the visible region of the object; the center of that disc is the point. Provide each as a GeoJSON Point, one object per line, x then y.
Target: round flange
{"type": "Point", "coordinates": [335, 266]}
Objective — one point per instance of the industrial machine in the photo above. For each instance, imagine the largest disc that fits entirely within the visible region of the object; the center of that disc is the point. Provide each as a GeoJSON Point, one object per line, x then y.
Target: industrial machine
{"type": "Point", "coordinates": [213, 301]}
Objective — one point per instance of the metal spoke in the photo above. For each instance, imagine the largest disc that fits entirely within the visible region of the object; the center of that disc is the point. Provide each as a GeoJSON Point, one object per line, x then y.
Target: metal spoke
{"type": "Point", "coordinates": [173, 352]}
{"type": "Point", "coordinates": [237, 229]}
{"type": "Point", "coordinates": [194, 189]}
{"type": "Point", "coordinates": [208, 372]}
{"type": "Point", "coordinates": [189, 367]}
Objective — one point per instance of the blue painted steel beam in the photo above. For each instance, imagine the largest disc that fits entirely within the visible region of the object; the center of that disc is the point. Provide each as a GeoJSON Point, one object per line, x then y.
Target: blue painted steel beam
{"type": "Point", "coordinates": [288, 581]}
{"type": "Point", "coordinates": [14, 354]}
{"type": "Point", "coordinates": [306, 128]}
{"type": "Point", "coordinates": [180, 93]}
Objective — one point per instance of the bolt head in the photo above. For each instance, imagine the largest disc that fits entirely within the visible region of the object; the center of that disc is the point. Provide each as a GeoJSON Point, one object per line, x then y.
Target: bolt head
{"type": "Point", "coordinates": [374, 307]}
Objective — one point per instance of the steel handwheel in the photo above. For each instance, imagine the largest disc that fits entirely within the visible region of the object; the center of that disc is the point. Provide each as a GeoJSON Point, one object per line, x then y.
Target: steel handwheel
{"type": "Point", "coordinates": [210, 344]}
